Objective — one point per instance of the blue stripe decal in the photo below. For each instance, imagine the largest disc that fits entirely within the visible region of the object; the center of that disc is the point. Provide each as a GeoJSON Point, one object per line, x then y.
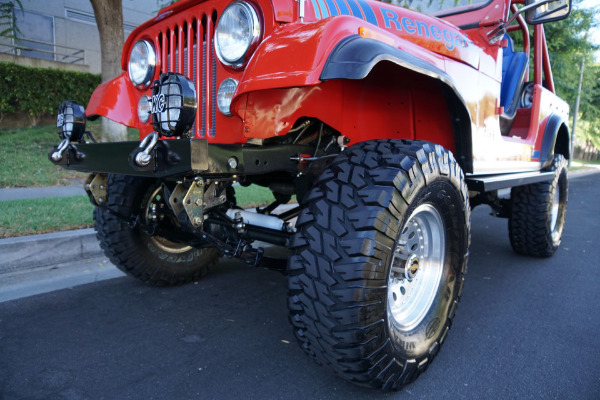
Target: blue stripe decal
{"type": "Point", "coordinates": [355, 9]}
{"type": "Point", "coordinates": [316, 8]}
{"type": "Point", "coordinates": [331, 6]}
{"type": "Point", "coordinates": [323, 9]}
{"type": "Point", "coordinates": [344, 10]}
{"type": "Point", "coordinates": [369, 14]}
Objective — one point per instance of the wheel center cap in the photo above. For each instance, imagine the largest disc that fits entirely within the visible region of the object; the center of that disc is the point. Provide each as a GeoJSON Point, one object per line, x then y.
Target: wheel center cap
{"type": "Point", "coordinates": [412, 267]}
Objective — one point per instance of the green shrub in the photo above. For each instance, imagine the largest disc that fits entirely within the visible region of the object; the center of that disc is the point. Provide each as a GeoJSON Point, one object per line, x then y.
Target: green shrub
{"type": "Point", "coordinates": [39, 91]}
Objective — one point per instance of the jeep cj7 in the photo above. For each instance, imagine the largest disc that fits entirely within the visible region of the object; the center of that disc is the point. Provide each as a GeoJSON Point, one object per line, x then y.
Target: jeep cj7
{"type": "Point", "coordinates": [388, 123]}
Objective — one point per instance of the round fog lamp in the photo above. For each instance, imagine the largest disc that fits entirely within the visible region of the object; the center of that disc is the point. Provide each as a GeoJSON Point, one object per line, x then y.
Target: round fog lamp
{"type": "Point", "coordinates": [143, 109]}
{"type": "Point", "coordinates": [70, 121]}
{"type": "Point", "coordinates": [225, 95]}
{"type": "Point", "coordinates": [173, 104]}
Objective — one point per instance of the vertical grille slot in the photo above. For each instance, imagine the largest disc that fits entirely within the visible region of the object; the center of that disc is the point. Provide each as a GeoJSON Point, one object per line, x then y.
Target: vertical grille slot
{"type": "Point", "coordinates": [186, 48]}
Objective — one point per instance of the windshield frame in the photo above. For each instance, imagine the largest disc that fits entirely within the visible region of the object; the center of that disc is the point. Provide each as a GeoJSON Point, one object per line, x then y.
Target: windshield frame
{"type": "Point", "coordinates": [454, 10]}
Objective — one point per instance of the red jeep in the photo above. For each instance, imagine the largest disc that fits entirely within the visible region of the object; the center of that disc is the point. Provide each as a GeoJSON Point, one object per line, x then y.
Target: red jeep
{"type": "Point", "coordinates": [387, 123]}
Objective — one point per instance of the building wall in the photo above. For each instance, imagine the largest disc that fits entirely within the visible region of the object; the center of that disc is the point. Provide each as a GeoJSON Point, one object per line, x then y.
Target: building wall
{"type": "Point", "coordinates": [41, 63]}
{"type": "Point", "coordinates": [75, 27]}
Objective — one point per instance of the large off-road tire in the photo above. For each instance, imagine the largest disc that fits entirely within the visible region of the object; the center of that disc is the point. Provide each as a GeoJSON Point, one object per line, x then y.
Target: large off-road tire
{"type": "Point", "coordinates": [152, 259]}
{"type": "Point", "coordinates": [538, 212]}
{"type": "Point", "coordinates": [380, 254]}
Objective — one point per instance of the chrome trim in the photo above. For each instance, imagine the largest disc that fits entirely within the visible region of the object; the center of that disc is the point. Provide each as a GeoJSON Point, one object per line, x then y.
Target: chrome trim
{"type": "Point", "coordinates": [256, 34]}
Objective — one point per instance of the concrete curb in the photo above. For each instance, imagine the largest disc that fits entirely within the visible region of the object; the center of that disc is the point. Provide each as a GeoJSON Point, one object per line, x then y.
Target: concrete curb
{"type": "Point", "coordinates": [29, 252]}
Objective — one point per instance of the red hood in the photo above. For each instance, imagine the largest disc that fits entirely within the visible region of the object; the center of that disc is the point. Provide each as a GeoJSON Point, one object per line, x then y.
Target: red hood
{"type": "Point", "coordinates": [428, 32]}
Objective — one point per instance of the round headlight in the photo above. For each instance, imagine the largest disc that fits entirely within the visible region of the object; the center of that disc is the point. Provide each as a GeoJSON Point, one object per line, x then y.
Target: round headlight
{"type": "Point", "coordinates": [237, 34]}
{"type": "Point", "coordinates": [225, 95]}
{"type": "Point", "coordinates": [142, 61]}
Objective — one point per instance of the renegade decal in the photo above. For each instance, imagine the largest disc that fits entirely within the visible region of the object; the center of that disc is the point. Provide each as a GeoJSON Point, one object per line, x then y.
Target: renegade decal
{"type": "Point", "coordinates": [420, 28]}
{"type": "Point", "coordinates": [363, 10]}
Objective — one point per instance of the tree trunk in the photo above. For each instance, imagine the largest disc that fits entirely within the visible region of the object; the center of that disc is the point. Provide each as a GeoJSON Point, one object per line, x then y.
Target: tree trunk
{"type": "Point", "coordinates": [109, 19]}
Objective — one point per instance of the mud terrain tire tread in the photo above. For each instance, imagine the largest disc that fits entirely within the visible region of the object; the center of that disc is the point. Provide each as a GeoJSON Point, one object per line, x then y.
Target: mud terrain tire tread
{"type": "Point", "coordinates": [130, 250]}
{"type": "Point", "coordinates": [337, 276]}
{"type": "Point", "coordinates": [529, 224]}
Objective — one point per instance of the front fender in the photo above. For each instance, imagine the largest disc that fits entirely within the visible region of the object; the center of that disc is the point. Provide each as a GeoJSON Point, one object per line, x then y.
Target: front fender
{"type": "Point", "coordinates": [355, 57]}
{"type": "Point", "coordinates": [116, 100]}
{"type": "Point", "coordinates": [315, 56]}
{"type": "Point", "coordinates": [296, 54]}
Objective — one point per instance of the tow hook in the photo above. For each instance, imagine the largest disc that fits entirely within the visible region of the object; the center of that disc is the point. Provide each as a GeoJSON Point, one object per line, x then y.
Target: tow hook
{"type": "Point", "coordinates": [58, 154]}
{"type": "Point", "coordinates": [147, 144]}
{"type": "Point", "coordinates": [69, 148]}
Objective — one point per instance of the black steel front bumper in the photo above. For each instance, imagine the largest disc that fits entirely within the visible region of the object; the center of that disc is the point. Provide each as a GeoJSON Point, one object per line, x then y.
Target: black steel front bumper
{"type": "Point", "coordinates": [182, 157]}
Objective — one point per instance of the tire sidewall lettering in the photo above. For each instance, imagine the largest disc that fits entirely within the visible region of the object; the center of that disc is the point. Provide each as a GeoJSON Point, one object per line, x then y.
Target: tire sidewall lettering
{"type": "Point", "coordinates": [175, 258]}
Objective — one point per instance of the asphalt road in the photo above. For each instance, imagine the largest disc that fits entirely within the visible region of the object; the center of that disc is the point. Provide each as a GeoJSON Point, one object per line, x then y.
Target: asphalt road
{"type": "Point", "coordinates": [526, 329]}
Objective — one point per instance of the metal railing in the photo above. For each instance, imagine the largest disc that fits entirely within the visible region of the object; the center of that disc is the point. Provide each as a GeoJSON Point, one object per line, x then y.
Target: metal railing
{"type": "Point", "coordinates": [44, 50]}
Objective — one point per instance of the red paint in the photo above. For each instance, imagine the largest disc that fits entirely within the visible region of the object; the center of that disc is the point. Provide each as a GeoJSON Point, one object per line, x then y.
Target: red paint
{"type": "Point", "coordinates": [280, 83]}
{"type": "Point", "coordinates": [116, 100]}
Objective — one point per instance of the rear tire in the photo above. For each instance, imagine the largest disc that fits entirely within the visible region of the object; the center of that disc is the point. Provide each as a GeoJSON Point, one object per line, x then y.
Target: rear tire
{"type": "Point", "coordinates": [152, 259]}
{"type": "Point", "coordinates": [538, 213]}
{"type": "Point", "coordinates": [380, 254]}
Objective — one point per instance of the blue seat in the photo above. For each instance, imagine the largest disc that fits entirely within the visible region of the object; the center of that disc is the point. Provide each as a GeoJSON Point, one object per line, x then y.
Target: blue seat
{"type": "Point", "coordinates": [514, 65]}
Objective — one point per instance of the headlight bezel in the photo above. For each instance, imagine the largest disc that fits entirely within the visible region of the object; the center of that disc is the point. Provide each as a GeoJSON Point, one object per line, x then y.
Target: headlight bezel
{"type": "Point", "coordinates": [145, 79]}
{"type": "Point", "coordinates": [238, 58]}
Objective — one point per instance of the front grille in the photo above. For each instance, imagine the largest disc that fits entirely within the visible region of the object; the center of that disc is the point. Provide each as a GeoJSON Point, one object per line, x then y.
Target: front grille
{"type": "Point", "coordinates": [186, 47]}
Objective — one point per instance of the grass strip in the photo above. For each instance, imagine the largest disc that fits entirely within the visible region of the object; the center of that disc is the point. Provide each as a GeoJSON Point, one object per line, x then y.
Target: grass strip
{"type": "Point", "coordinates": [24, 157]}
{"type": "Point", "coordinates": [52, 214]}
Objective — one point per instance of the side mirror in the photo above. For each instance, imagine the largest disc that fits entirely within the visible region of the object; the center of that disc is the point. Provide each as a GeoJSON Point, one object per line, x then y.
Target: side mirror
{"type": "Point", "coordinates": [547, 11]}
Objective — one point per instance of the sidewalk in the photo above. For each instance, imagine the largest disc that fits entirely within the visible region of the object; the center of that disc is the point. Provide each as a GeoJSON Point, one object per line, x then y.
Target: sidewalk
{"type": "Point", "coordinates": [40, 192]}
